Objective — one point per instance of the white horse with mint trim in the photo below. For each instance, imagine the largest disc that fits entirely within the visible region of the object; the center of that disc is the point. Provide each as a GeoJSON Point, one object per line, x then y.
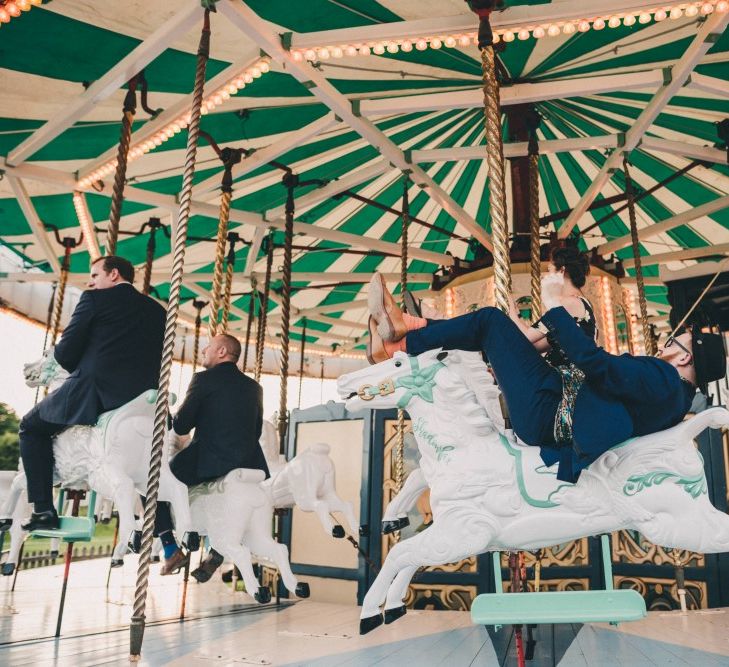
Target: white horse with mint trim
{"type": "Point", "coordinates": [491, 493]}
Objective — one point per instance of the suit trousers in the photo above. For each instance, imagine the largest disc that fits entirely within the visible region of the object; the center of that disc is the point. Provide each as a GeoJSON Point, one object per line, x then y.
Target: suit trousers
{"type": "Point", "coordinates": [36, 449]}
{"type": "Point", "coordinates": [184, 466]}
{"type": "Point", "coordinates": [531, 387]}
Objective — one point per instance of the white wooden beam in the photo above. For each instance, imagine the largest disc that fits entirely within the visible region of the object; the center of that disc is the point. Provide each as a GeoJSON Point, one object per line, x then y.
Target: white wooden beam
{"type": "Point", "coordinates": [253, 250]}
{"type": "Point", "coordinates": [264, 34]}
{"type": "Point", "coordinates": [706, 37]}
{"type": "Point", "coordinates": [268, 153]}
{"type": "Point", "coordinates": [509, 18]}
{"type": "Point", "coordinates": [647, 280]}
{"type": "Point", "coordinates": [31, 216]}
{"type": "Point", "coordinates": [170, 203]}
{"type": "Point", "coordinates": [520, 93]}
{"type": "Point", "coordinates": [301, 276]}
{"type": "Point", "coordinates": [666, 225]}
{"type": "Point", "coordinates": [695, 151]}
{"type": "Point", "coordinates": [709, 84]}
{"type": "Point", "coordinates": [99, 90]}
{"type": "Point", "coordinates": [679, 255]}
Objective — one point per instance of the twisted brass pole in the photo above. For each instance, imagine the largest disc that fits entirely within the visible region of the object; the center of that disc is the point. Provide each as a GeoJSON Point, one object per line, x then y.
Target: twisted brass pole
{"type": "Point", "coordinates": [647, 333]}
{"type": "Point", "coordinates": [120, 175]}
{"type": "Point", "coordinates": [151, 246]}
{"type": "Point", "coordinates": [290, 181]}
{"type": "Point", "coordinates": [249, 325]}
{"type": "Point", "coordinates": [263, 314]}
{"type": "Point", "coordinates": [535, 247]}
{"type": "Point", "coordinates": [224, 217]}
{"type": "Point", "coordinates": [225, 314]}
{"type": "Point", "coordinates": [196, 341]}
{"type": "Point", "coordinates": [495, 160]}
{"type": "Point", "coordinates": [60, 294]}
{"type": "Point", "coordinates": [301, 364]}
{"type": "Point", "coordinates": [162, 405]}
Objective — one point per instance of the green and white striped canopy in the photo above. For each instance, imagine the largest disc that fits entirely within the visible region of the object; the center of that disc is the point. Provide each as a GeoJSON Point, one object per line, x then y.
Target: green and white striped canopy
{"type": "Point", "coordinates": [596, 84]}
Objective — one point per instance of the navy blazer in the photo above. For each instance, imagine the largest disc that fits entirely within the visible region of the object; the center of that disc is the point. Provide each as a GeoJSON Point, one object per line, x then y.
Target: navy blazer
{"type": "Point", "coordinates": [622, 396]}
{"type": "Point", "coordinates": [225, 407]}
{"type": "Point", "coordinates": [113, 349]}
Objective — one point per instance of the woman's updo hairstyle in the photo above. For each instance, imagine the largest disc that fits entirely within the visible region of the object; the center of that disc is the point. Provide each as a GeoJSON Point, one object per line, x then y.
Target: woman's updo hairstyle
{"type": "Point", "coordinates": [575, 264]}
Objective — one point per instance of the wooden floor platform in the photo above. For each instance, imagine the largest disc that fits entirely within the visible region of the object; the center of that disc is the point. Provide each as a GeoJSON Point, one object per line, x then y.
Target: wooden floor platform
{"type": "Point", "coordinates": [223, 628]}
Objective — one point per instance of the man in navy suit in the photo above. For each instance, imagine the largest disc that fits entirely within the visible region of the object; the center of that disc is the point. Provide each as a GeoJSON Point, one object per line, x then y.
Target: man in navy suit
{"type": "Point", "coordinates": [112, 348]}
{"type": "Point", "coordinates": [615, 397]}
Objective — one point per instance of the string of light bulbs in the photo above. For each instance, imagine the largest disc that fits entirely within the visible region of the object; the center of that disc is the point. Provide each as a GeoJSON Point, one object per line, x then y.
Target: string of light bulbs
{"type": "Point", "coordinates": [14, 8]}
{"type": "Point", "coordinates": [464, 39]}
{"type": "Point", "coordinates": [173, 127]}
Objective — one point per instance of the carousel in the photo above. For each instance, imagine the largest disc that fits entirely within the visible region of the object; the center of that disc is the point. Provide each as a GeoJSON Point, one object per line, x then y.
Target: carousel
{"type": "Point", "coordinates": [259, 163]}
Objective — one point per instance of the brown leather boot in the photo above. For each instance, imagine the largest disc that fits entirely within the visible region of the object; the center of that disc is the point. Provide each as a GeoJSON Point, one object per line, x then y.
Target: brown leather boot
{"type": "Point", "coordinates": [175, 563]}
{"type": "Point", "coordinates": [390, 323]}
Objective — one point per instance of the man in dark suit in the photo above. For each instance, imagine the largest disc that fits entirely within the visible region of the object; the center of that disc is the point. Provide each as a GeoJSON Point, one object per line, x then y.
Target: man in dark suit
{"type": "Point", "coordinates": [607, 398]}
{"type": "Point", "coordinates": [225, 407]}
{"type": "Point", "coordinates": [112, 348]}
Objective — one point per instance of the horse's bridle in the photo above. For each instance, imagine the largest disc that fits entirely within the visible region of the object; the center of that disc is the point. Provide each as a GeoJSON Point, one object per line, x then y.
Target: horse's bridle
{"type": "Point", "coordinates": [419, 382]}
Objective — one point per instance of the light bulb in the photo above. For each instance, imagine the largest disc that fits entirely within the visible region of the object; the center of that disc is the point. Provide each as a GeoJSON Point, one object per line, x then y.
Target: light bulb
{"type": "Point", "coordinates": [231, 89]}
{"type": "Point", "coordinates": [23, 5]}
{"type": "Point", "coordinates": [406, 46]}
{"type": "Point", "coordinates": [4, 16]}
{"type": "Point", "coordinates": [216, 100]}
{"type": "Point", "coordinates": [553, 30]}
{"type": "Point", "coordinates": [435, 43]}
{"type": "Point", "coordinates": [364, 50]}
{"type": "Point", "coordinates": [508, 36]}
{"type": "Point", "coordinates": [523, 34]}
{"type": "Point", "coordinates": [598, 24]}
{"type": "Point", "coordinates": [614, 21]}
{"type": "Point", "coordinates": [707, 8]}
{"type": "Point", "coordinates": [323, 54]}
{"type": "Point", "coordinates": [450, 42]}
{"type": "Point", "coordinates": [379, 49]}
{"type": "Point", "coordinates": [629, 20]}
{"type": "Point", "coordinates": [12, 9]}
{"type": "Point", "coordinates": [392, 47]}
{"type": "Point", "coordinates": [337, 52]}
{"type": "Point", "coordinates": [310, 54]}
{"type": "Point", "coordinates": [264, 66]}
{"type": "Point", "coordinates": [691, 10]}
{"type": "Point", "coordinates": [464, 40]}
{"type": "Point", "coordinates": [350, 51]}
{"type": "Point", "coordinates": [568, 28]}
{"type": "Point", "coordinates": [722, 6]}
{"type": "Point", "coordinates": [538, 32]}
{"type": "Point", "coordinates": [583, 26]}
{"type": "Point", "coordinates": [248, 78]}
{"type": "Point", "coordinates": [677, 12]}
{"type": "Point", "coordinates": [36, 2]}
{"type": "Point", "coordinates": [224, 95]}
{"type": "Point", "coordinates": [421, 45]}
{"type": "Point", "coordinates": [645, 17]}
{"type": "Point", "coordinates": [497, 38]}
{"type": "Point", "coordinates": [297, 56]}
{"type": "Point", "coordinates": [660, 15]}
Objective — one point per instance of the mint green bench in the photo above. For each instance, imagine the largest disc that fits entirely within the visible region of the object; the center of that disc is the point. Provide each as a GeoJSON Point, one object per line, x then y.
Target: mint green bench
{"type": "Point", "coordinates": [608, 606]}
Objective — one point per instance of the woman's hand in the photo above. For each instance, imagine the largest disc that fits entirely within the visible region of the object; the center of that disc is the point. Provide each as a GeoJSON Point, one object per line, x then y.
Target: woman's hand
{"type": "Point", "coordinates": [552, 284]}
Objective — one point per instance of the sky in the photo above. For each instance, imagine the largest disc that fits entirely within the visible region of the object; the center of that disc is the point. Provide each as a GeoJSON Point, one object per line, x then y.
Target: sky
{"type": "Point", "coordinates": [21, 342]}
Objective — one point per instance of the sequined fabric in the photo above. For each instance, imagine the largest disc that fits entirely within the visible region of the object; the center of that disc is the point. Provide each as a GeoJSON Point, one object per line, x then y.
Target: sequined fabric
{"type": "Point", "coordinates": [572, 379]}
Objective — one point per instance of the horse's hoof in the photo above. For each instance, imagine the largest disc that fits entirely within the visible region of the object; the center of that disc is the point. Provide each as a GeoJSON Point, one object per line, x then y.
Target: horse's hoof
{"type": "Point", "coordinates": [191, 541]}
{"type": "Point", "coordinates": [264, 595]}
{"type": "Point", "coordinates": [337, 532]}
{"type": "Point", "coordinates": [135, 541]}
{"type": "Point", "coordinates": [395, 524]}
{"type": "Point", "coordinates": [155, 559]}
{"type": "Point", "coordinates": [54, 554]}
{"type": "Point", "coordinates": [393, 614]}
{"type": "Point", "coordinates": [106, 520]}
{"type": "Point", "coordinates": [5, 524]}
{"type": "Point", "coordinates": [302, 590]}
{"type": "Point", "coordinates": [369, 624]}
{"type": "Point", "coordinates": [117, 562]}
{"type": "Point", "coordinates": [7, 569]}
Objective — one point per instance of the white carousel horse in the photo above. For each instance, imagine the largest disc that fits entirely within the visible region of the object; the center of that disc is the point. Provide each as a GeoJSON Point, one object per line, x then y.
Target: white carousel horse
{"type": "Point", "coordinates": [307, 481]}
{"type": "Point", "coordinates": [490, 493]}
{"type": "Point", "coordinates": [15, 506]}
{"type": "Point", "coordinates": [111, 457]}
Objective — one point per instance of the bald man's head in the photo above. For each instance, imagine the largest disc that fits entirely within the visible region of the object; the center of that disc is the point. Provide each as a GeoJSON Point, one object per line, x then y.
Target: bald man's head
{"type": "Point", "coordinates": [221, 348]}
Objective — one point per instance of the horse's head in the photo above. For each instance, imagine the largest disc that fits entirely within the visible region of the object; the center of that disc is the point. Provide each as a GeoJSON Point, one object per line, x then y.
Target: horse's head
{"type": "Point", "coordinates": [393, 383]}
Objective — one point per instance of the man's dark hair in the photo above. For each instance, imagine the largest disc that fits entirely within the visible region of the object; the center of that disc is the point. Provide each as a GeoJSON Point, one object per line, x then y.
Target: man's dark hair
{"type": "Point", "coordinates": [232, 345]}
{"type": "Point", "coordinates": [124, 266]}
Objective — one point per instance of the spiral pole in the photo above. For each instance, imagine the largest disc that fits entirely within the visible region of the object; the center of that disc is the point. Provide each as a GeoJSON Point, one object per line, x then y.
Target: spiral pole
{"type": "Point", "coordinates": [647, 332]}
{"type": "Point", "coordinates": [290, 181]}
{"type": "Point", "coordinates": [162, 406]}
{"type": "Point", "coordinates": [301, 364]}
{"type": "Point", "coordinates": [535, 246]}
{"type": "Point", "coordinates": [60, 294]}
{"type": "Point", "coordinates": [495, 160]}
{"type": "Point", "coordinates": [223, 219]}
{"type": "Point", "coordinates": [226, 297]}
{"type": "Point", "coordinates": [249, 325]}
{"type": "Point", "coordinates": [263, 314]}
{"type": "Point", "coordinates": [120, 175]}
{"type": "Point", "coordinates": [199, 305]}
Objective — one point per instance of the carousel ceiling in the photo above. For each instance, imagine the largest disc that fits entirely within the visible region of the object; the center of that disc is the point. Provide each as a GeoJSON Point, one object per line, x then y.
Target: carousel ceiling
{"type": "Point", "coordinates": [367, 91]}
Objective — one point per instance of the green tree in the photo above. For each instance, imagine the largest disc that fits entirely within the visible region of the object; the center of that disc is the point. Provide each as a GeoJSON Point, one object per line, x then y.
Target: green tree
{"type": "Point", "coordinates": [9, 446]}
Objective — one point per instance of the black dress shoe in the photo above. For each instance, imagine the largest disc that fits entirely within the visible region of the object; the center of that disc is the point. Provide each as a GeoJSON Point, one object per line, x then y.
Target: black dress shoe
{"type": "Point", "coordinates": [47, 520]}
{"type": "Point", "coordinates": [5, 524]}
{"type": "Point", "coordinates": [411, 304]}
{"type": "Point", "coordinates": [207, 568]}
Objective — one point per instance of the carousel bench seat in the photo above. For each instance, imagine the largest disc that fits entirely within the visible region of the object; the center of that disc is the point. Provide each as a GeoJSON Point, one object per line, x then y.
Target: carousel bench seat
{"type": "Point", "coordinates": [73, 528]}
